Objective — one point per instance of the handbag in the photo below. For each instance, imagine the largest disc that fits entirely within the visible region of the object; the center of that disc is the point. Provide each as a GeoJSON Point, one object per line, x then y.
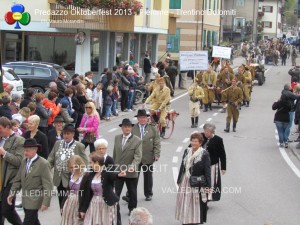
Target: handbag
{"type": "Point", "coordinates": [197, 181]}
{"type": "Point", "coordinates": [89, 137]}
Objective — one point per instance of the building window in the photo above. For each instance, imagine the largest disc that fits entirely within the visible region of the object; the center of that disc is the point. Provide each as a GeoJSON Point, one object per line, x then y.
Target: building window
{"type": "Point", "coordinates": [157, 5]}
{"type": "Point", "coordinates": [204, 39]}
{"type": "Point", "coordinates": [218, 2]}
{"type": "Point", "coordinates": [214, 38]}
{"type": "Point", "coordinates": [268, 9]}
{"type": "Point", "coordinates": [173, 42]}
{"type": "Point", "coordinates": [208, 38]}
{"type": "Point", "coordinates": [209, 4]}
{"type": "Point", "coordinates": [175, 4]}
{"type": "Point", "coordinates": [240, 3]}
{"type": "Point", "coordinates": [267, 24]}
{"type": "Point", "coordinates": [215, 5]}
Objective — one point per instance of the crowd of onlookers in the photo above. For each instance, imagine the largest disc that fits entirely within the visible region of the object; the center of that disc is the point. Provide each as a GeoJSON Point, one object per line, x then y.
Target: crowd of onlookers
{"type": "Point", "coordinates": [80, 101]}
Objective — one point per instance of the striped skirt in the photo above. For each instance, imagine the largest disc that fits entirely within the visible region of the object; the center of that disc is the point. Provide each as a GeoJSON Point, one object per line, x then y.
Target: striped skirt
{"type": "Point", "coordinates": [99, 213]}
{"type": "Point", "coordinates": [190, 207]}
{"type": "Point", "coordinates": [215, 194]}
{"type": "Point", "coordinates": [70, 211]}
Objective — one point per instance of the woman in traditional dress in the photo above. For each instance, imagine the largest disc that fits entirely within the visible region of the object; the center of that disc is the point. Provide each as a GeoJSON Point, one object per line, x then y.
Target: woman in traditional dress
{"type": "Point", "coordinates": [191, 203]}
{"type": "Point", "coordinates": [215, 147]}
{"type": "Point", "coordinates": [97, 199]}
{"type": "Point", "coordinates": [70, 206]}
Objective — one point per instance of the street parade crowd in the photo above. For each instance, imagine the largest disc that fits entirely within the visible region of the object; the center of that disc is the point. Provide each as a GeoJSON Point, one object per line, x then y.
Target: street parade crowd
{"type": "Point", "coordinates": [45, 135]}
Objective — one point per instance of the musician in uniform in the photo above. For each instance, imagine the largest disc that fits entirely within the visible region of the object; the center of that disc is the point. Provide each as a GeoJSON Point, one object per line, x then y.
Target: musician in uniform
{"type": "Point", "coordinates": [224, 82]}
{"type": "Point", "coordinates": [196, 93]}
{"type": "Point", "coordinates": [209, 81]}
{"type": "Point", "coordinates": [234, 96]}
{"type": "Point", "coordinates": [162, 96]}
{"type": "Point", "coordinates": [247, 85]}
{"type": "Point", "coordinates": [199, 81]}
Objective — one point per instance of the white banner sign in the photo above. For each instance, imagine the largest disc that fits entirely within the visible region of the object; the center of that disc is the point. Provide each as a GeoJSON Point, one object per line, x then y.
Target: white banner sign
{"type": "Point", "coordinates": [193, 60]}
{"type": "Point", "coordinates": [221, 52]}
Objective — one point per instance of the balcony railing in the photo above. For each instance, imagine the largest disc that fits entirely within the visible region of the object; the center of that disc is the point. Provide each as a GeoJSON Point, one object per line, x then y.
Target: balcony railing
{"type": "Point", "coordinates": [238, 29]}
{"type": "Point", "coordinates": [78, 18]}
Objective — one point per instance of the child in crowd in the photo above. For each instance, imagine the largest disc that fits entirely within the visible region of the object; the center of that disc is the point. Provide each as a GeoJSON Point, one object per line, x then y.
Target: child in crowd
{"type": "Point", "coordinates": [97, 97]}
{"type": "Point", "coordinates": [89, 91]}
{"type": "Point", "coordinates": [65, 114]}
{"type": "Point", "coordinates": [16, 127]}
{"type": "Point", "coordinates": [108, 105]}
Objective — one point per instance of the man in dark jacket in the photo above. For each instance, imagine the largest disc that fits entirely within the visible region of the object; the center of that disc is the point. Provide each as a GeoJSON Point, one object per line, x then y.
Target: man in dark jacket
{"type": "Point", "coordinates": [290, 97]}
{"type": "Point", "coordinates": [61, 84]}
{"type": "Point", "coordinates": [172, 72]}
{"type": "Point", "coordinates": [29, 96]}
{"type": "Point", "coordinates": [147, 68]}
{"type": "Point", "coordinates": [5, 109]}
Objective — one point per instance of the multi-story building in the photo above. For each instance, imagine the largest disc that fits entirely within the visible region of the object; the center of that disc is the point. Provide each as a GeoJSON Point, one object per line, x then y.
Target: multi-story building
{"type": "Point", "coordinates": [110, 36]}
{"type": "Point", "coordinates": [198, 25]}
{"type": "Point", "coordinates": [239, 26]}
{"type": "Point", "coordinates": [270, 18]}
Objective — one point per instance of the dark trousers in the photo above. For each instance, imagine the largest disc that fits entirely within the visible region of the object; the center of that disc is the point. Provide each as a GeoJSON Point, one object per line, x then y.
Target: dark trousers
{"type": "Point", "coordinates": [124, 100]}
{"type": "Point", "coordinates": [31, 217]}
{"type": "Point", "coordinates": [147, 170]}
{"type": "Point", "coordinates": [62, 191]}
{"type": "Point", "coordinates": [8, 211]}
{"type": "Point", "coordinates": [131, 184]}
{"type": "Point", "coordinates": [173, 81]}
{"type": "Point", "coordinates": [92, 146]}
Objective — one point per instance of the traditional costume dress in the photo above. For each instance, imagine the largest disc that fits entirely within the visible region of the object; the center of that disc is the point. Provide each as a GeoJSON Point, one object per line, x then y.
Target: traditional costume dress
{"type": "Point", "coordinates": [191, 203]}
{"type": "Point", "coordinates": [70, 210]}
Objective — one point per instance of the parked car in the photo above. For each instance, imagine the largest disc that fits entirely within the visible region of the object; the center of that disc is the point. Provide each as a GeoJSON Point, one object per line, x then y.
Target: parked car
{"type": "Point", "coordinates": [37, 75]}
{"type": "Point", "coordinates": [10, 77]}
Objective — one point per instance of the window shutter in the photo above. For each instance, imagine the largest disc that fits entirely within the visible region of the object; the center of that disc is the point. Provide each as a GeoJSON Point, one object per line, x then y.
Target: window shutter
{"type": "Point", "coordinates": [270, 24]}
{"type": "Point", "coordinates": [271, 10]}
{"type": "Point", "coordinates": [263, 24]}
{"type": "Point", "coordinates": [263, 8]}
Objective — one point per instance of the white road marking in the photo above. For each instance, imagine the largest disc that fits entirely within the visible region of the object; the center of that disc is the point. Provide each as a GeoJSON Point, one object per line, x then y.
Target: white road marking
{"type": "Point", "coordinates": [179, 149]}
{"type": "Point", "coordinates": [289, 162]}
{"type": "Point", "coordinates": [175, 174]}
{"type": "Point", "coordinates": [112, 130]}
{"type": "Point", "coordinates": [186, 140]}
{"type": "Point", "coordinates": [209, 119]}
{"type": "Point", "coordinates": [220, 110]}
{"type": "Point", "coordinates": [201, 126]}
{"type": "Point", "coordinates": [215, 114]}
{"type": "Point", "coordinates": [180, 96]}
{"type": "Point", "coordinates": [175, 159]}
{"type": "Point", "coordinates": [287, 159]}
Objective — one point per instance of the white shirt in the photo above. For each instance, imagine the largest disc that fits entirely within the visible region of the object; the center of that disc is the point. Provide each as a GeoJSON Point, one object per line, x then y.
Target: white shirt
{"type": "Point", "coordinates": [142, 129]}
{"type": "Point", "coordinates": [30, 162]}
{"type": "Point", "coordinates": [126, 139]}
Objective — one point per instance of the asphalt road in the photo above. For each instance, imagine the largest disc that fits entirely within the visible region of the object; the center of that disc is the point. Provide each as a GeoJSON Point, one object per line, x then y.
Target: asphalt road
{"type": "Point", "coordinates": [259, 186]}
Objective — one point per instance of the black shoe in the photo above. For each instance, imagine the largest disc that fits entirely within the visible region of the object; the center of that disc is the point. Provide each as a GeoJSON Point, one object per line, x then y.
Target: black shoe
{"type": "Point", "coordinates": [162, 134]}
{"type": "Point", "coordinates": [125, 198]}
{"type": "Point", "coordinates": [149, 198]}
{"type": "Point", "coordinates": [205, 110]}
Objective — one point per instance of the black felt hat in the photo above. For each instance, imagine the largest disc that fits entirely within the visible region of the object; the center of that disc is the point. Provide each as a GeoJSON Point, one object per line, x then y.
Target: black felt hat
{"type": "Point", "coordinates": [69, 128]}
{"type": "Point", "coordinates": [126, 122]}
{"type": "Point", "coordinates": [141, 112]}
{"type": "Point", "coordinates": [31, 142]}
